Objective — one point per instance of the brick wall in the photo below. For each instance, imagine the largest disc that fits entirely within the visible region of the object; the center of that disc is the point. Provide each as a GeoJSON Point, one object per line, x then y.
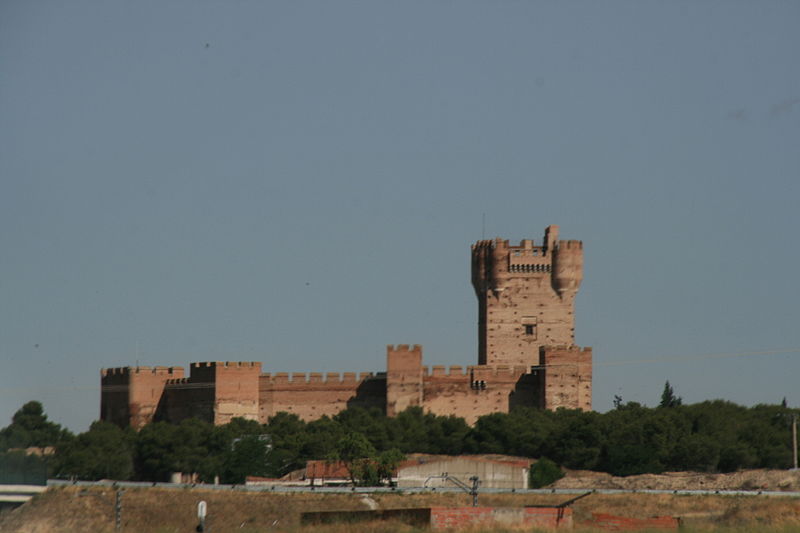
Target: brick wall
{"type": "Point", "coordinates": [479, 391]}
{"type": "Point", "coordinates": [470, 517]}
{"type": "Point", "coordinates": [609, 522]}
{"type": "Point", "coordinates": [567, 378]}
{"type": "Point", "coordinates": [526, 357]}
{"type": "Point", "coordinates": [215, 392]}
{"type": "Point", "coordinates": [403, 378]}
{"type": "Point", "coordinates": [456, 518]}
{"type": "Point", "coordinates": [526, 297]}
{"type": "Point", "coordinates": [133, 395]}
{"type": "Point", "coordinates": [310, 396]}
{"type": "Point", "coordinates": [236, 391]}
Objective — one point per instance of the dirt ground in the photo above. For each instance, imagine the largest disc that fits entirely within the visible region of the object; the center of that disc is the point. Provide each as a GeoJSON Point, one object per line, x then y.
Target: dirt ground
{"type": "Point", "coordinates": [758, 480]}
{"type": "Point", "coordinates": [157, 510]}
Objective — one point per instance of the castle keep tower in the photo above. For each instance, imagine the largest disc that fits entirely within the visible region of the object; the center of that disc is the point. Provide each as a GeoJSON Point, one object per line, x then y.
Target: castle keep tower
{"type": "Point", "coordinates": [526, 297]}
{"type": "Point", "coordinates": [526, 358]}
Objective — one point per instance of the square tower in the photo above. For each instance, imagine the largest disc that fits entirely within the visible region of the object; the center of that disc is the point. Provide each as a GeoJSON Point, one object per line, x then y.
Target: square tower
{"type": "Point", "coordinates": [526, 296]}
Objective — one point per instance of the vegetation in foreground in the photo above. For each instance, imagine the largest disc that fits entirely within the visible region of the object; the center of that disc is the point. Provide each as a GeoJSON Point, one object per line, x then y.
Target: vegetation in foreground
{"type": "Point", "coordinates": [712, 436]}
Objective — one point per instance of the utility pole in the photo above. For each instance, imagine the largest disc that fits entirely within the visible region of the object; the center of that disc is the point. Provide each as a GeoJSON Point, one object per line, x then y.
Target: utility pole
{"type": "Point", "coordinates": [118, 511]}
{"type": "Point", "coordinates": [794, 441]}
{"type": "Point", "coordinates": [472, 491]}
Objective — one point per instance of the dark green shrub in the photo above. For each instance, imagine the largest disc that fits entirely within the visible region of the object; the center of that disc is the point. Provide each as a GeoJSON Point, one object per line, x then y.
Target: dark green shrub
{"type": "Point", "coordinates": [544, 472]}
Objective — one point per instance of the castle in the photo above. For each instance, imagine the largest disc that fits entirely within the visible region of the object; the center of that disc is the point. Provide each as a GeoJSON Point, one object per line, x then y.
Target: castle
{"type": "Point", "coordinates": [526, 357]}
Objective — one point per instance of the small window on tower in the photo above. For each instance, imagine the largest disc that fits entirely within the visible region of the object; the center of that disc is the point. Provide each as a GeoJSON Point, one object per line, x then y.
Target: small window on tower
{"type": "Point", "coordinates": [529, 326]}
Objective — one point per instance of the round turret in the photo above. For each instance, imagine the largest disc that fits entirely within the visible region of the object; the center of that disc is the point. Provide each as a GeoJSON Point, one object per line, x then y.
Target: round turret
{"type": "Point", "coordinates": [567, 267]}
{"type": "Point", "coordinates": [499, 265]}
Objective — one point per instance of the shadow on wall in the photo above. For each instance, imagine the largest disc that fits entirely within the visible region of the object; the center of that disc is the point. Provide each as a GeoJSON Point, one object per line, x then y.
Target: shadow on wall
{"type": "Point", "coordinates": [370, 393]}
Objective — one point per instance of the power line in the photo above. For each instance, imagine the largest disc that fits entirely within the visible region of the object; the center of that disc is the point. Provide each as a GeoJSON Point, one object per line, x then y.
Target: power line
{"type": "Point", "coordinates": [673, 358]}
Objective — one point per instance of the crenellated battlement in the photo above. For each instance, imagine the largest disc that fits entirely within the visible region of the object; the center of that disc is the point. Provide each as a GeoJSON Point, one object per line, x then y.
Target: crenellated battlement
{"type": "Point", "coordinates": [526, 358]}
{"type": "Point", "coordinates": [483, 244]}
{"type": "Point", "coordinates": [519, 290]}
{"type": "Point", "coordinates": [503, 372]}
{"type": "Point", "coordinates": [128, 370]}
{"type": "Point", "coordinates": [226, 364]}
{"type": "Point", "coordinates": [570, 245]}
{"type": "Point", "coordinates": [568, 348]}
{"type": "Point", "coordinates": [305, 378]}
{"type": "Point", "coordinates": [443, 371]}
{"type": "Point", "coordinates": [404, 348]}
{"type": "Point", "coordinates": [117, 371]}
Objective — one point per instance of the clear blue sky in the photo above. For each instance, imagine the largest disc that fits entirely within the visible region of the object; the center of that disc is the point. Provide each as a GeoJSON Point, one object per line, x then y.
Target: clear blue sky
{"type": "Point", "coordinates": [298, 183]}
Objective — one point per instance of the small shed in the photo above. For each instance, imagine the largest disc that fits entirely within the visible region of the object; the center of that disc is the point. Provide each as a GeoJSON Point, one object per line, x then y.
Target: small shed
{"type": "Point", "coordinates": [494, 471]}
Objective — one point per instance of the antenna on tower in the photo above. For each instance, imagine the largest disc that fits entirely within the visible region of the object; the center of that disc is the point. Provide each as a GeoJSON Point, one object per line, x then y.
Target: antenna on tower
{"type": "Point", "coordinates": [483, 226]}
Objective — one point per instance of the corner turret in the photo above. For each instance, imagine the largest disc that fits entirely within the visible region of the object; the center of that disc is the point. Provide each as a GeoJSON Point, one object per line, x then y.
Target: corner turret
{"type": "Point", "coordinates": [568, 268]}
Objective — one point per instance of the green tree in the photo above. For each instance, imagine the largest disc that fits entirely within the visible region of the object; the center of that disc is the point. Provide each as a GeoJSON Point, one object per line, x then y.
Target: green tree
{"type": "Point", "coordinates": [20, 468]}
{"type": "Point", "coordinates": [219, 445]}
{"type": "Point", "coordinates": [154, 460]}
{"type": "Point", "coordinates": [103, 452]}
{"type": "Point", "coordinates": [387, 463]}
{"type": "Point", "coordinates": [634, 441]}
{"type": "Point", "coordinates": [190, 448]}
{"type": "Point", "coordinates": [668, 397]}
{"type": "Point", "coordinates": [289, 436]}
{"type": "Point", "coordinates": [248, 456]}
{"type": "Point", "coordinates": [544, 472]}
{"type": "Point", "coordinates": [371, 423]}
{"type": "Point", "coordinates": [577, 439]}
{"type": "Point", "coordinates": [321, 438]}
{"type": "Point", "coordinates": [356, 452]}
{"type": "Point", "coordinates": [30, 427]}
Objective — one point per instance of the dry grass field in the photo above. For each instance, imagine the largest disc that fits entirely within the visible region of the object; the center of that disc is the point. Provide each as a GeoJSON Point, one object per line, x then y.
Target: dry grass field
{"type": "Point", "coordinates": [155, 510]}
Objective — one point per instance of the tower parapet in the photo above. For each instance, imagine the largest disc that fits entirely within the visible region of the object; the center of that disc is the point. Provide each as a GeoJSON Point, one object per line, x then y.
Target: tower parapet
{"type": "Point", "coordinates": [232, 390]}
{"type": "Point", "coordinates": [131, 395]}
{"type": "Point", "coordinates": [525, 296]}
{"type": "Point", "coordinates": [403, 377]}
{"type": "Point", "coordinates": [526, 358]}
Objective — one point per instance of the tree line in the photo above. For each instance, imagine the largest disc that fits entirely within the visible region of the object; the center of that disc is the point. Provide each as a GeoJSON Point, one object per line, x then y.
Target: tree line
{"type": "Point", "coordinates": [711, 436]}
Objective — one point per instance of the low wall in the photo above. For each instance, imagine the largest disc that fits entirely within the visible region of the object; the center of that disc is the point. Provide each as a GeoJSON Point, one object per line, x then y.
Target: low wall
{"type": "Point", "coordinates": [510, 517]}
{"type": "Point", "coordinates": [415, 517]}
{"type": "Point", "coordinates": [439, 518]}
{"type": "Point", "coordinates": [620, 523]}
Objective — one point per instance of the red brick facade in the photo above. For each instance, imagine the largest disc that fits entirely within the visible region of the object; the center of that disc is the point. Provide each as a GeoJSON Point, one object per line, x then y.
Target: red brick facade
{"type": "Point", "coordinates": [509, 517]}
{"type": "Point", "coordinates": [526, 357]}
